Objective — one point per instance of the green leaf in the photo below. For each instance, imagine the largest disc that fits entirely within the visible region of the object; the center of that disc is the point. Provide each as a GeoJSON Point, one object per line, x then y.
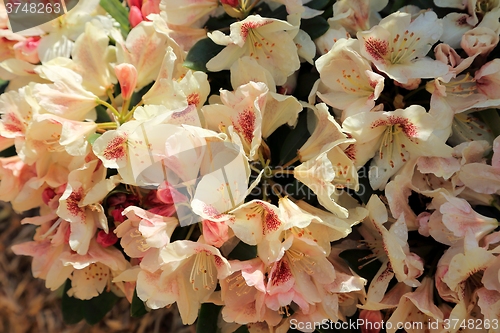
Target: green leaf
{"type": "Point", "coordinates": [315, 27]}
{"type": "Point", "coordinates": [118, 12]}
{"type": "Point", "coordinates": [3, 86]}
{"type": "Point", "coordinates": [72, 308]}
{"type": "Point", "coordinates": [137, 308]}
{"type": "Point", "coordinates": [91, 139]}
{"type": "Point", "coordinates": [207, 318]}
{"type": "Point", "coordinates": [295, 139]}
{"type": "Point", "coordinates": [99, 306]}
{"type": "Point", "coordinates": [243, 251]}
{"type": "Point", "coordinates": [102, 115]}
{"type": "Point", "coordinates": [201, 52]}
{"type": "Point", "coordinates": [365, 190]}
{"type": "Point", "coordinates": [93, 310]}
{"type": "Point", "coordinates": [242, 329]}
{"type": "Point", "coordinates": [492, 119]}
{"type": "Point", "coordinates": [8, 152]}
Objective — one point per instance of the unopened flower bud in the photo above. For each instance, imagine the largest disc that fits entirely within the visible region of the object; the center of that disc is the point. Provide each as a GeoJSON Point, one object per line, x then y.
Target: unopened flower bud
{"type": "Point", "coordinates": [106, 239]}
{"type": "Point", "coordinates": [127, 76]}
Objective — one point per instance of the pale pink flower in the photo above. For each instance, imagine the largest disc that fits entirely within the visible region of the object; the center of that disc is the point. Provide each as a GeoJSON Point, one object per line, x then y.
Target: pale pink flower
{"type": "Point", "coordinates": [357, 15]}
{"type": "Point", "coordinates": [393, 138]}
{"type": "Point", "coordinates": [297, 275]}
{"type": "Point", "coordinates": [418, 307]}
{"type": "Point", "coordinates": [244, 294]}
{"type": "Point", "coordinates": [267, 40]}
{"type": "Point", "coordinates": [27, 50]}
{"type": "Point", "coordinates": [80, 203]}
{"type": "Point", "coordinates": [389, 245]}
{"type": "Point", "coordinates": [347, 81]}
{"type": "Point", "coordinates": [481, 177]}
{"type": "Point", "coordinates": [188, 276]}
{"type": "Point", "coordinates": [480, 40]}
{"type": "Point", "coordinates": [188, 13]}
{"type": "Point", "coordinates": [253, 112]}
{"type": "Point", "coordinates": [325, 135]}
{"type": "Point", "coordinates": [398, 46]}
{"type": "Point", "coordinates": [144, 48]}
{"type": "Point", "coordinates": [143, 234]}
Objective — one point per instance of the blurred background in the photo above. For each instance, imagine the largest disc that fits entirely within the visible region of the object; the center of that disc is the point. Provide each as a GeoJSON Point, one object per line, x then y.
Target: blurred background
{"type": "Point", "coordinates": [27, 306]}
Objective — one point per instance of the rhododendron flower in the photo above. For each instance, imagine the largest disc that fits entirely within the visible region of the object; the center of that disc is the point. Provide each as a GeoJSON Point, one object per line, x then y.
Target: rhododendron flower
{"type": "Point", "coordinates": [187, 14]}
{"type": "Point", "coordinates": [80, 204]}
{"type": "Point", "coordinates": [244, 294]}
{"type": "Point", "coordinates": [481, 177]}
{"type": "Point", "coordinates": [393, 138]}
{"type": "Point", "coordinates": [357, 15]}
{"type": "Point", "coordinates": [347, 81]}
{"type": "Point", "coordinates": [188, 276]}
{"type": "Point", "coordinates": [296, 276]}
{"type": "Point", "coordinates": [390, 246]}
{"type": "Point", "coordinates": [326, 134]}
{"type": "Point", "coordinates": [418, 307]}
{"type": "Point", "coordinates": [398, 46]}
{"type": "Point", "coordinates": [253, 112]}
{"type": "Point", "coordinates": [267, 40]}
{"type": "Point", "coordinates": [143, 234]}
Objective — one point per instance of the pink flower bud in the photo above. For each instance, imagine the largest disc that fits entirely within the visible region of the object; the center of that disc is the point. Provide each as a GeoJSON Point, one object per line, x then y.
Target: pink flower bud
{"type": "Point", "coordinates": [106, 239]}
{"type": "Point", "coordinates": [232, 3]}
{"type": "Point", "coordinates": [135, 3]}
{"type": "Point", "coordinates": [27, 50]}
{"type": "Point", "coordinates": [215, 233]}
{"type": "Point", "coordinates": [135, 16]}
{"type": "Point", "coordinates": [117, 215]}
{"type": "Point", "coordinates": [169, 195]}
{"type": "Point", "coordinates": [47, 195]}
{"type": "Point", "coordinates": [372, 321]}
{"type": "Point", "coordinates": [116, 199]}
{"type": "Point", "coordinates": [150, 7]}
{"type": "Point", "coordinates": [127, 76]}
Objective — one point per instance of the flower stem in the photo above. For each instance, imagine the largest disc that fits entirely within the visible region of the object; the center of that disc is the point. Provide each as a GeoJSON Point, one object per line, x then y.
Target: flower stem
{"type": "Point", "coordinates": [110, 107]}
{"type": "Point", "coordinates": [292, 161]}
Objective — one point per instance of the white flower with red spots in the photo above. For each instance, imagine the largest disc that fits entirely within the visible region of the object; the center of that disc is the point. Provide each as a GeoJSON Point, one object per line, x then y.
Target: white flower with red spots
{"type": "Point", "coordinates": [392, 139]}
{"type": "Point", "coordinates": [143, 234]}
{"type": "Point", "coordinates": [347, 81]}
{"type": "Point", "coordinates": [297, 275]}
{"type": "Point", "coordinates": [188, 276]}
{"type": "Point", "coordinates": [80, 203]}
{"type": "Point", "coordinates": [253, 112]}
{"type": "Point", "coordinates": [398, 46]}
{"type": "Point", "coordinates": [267, 40]}
{"type": "Point", "coordinates": [390, 246]}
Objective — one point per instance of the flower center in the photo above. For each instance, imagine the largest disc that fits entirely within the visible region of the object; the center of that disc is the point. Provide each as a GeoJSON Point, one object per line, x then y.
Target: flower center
{"type": "Point", "coordinates": [403, 47]}
{"type": "Point", "coordinates": [300, 261]}
{"type": "Point", "coordinates": [202, 274]}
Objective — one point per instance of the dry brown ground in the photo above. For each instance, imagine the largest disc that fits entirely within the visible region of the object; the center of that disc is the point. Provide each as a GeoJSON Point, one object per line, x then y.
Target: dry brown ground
{"type": "Point", "coordinates": [27, 306]}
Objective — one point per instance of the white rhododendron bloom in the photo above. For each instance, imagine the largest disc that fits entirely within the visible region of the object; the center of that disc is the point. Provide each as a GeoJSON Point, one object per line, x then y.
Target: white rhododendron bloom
{"type": "Point", "coordinates": [392, 139]}
{"type": "Point", "coordinates": [398, 46]}
{"type": "Point", "coordinates": [269, 41]}
{"type": "Point", "coordinates": [355, 87]}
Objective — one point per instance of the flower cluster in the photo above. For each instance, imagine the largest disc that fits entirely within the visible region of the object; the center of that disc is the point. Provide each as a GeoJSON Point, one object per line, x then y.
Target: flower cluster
{"type": "Point", "coordinates": [285, 160]}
